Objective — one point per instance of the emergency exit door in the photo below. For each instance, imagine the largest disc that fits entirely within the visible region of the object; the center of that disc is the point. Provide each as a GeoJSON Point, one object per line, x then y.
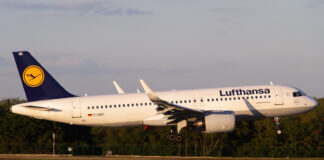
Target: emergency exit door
{"type": "Point", "coordinates": [76, 109]}
{"type": "Point", "coordinates": [278, 97]}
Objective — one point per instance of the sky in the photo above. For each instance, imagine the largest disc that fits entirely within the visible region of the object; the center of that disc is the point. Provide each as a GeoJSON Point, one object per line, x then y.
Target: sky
{"type": "Point", "coordinates": [171, 44]}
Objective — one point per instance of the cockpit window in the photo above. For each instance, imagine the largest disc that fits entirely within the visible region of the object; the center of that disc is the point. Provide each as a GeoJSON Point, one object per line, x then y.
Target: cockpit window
{"type": "Point", "coordinates": [298, 94]}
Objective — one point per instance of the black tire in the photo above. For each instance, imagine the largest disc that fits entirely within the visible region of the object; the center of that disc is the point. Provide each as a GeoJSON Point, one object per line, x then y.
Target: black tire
{"type": "Point", "coordinates": [172, 137]}
{"type": "Point", "coordinates": [179, 138]}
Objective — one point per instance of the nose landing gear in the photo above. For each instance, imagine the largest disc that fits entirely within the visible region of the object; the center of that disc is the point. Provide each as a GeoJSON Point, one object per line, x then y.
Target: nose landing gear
{"type": "Point", "coordinates": [277, 122]}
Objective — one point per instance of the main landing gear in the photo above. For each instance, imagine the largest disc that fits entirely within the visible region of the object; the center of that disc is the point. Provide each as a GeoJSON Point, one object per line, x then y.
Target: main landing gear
{"type": "Point", "coordinates": [174, 137]}
{"type": "Point", "coordinates": [276, 120]}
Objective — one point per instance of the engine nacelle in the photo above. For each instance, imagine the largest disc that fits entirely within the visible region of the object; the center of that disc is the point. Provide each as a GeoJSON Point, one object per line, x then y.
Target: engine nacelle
{"type": "Point", "coordinates": [217, 122]}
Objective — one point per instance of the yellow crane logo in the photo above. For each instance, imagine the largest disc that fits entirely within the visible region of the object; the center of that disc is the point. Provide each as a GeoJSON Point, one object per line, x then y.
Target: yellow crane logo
{"type": "Point", "coordinates": [33, 76]}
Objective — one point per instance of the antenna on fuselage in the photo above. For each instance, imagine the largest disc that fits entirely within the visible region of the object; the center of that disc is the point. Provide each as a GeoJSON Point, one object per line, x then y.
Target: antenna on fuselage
{"type": "Point", "coordinates": [271, 83]}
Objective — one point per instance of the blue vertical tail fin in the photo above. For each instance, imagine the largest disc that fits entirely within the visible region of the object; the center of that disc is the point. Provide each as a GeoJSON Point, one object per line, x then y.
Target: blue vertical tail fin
{"type": "Point", "coordinates": [37, 82]}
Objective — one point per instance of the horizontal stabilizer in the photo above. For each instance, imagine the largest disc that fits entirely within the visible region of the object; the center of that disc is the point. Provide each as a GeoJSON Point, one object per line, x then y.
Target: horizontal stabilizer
{"type": "Point", "coordinates": [38, 108]}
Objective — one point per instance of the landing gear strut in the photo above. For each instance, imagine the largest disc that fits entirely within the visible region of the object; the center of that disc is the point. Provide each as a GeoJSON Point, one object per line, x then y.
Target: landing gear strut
{"type": "Point", "coordinates": [276, 120]}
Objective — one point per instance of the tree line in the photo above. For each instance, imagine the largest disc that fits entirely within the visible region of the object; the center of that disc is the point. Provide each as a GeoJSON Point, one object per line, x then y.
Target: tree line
{"type": "Point", "coordinates": [302, 136]}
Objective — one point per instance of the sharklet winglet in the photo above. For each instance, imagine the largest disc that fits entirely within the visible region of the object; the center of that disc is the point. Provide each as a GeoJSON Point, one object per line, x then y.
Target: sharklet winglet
{"type": "Point", "coordinates": [153, 97]}
{"type": "Point", "coordinates": [118, 88]}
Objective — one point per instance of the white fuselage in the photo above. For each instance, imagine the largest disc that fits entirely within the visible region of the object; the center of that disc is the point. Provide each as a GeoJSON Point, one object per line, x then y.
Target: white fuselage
{"type": "Point", "coordinates": [251, 102]}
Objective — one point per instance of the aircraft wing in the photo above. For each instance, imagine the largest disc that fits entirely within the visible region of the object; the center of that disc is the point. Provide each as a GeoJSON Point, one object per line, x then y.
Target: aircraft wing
{"type": "Point", "coordinates": [175, 112]}
{"type": "Point", "coordinates": [178, 113]}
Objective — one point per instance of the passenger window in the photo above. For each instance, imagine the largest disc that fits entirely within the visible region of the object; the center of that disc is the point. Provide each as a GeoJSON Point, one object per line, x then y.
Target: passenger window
{"type": "Point", "coordinates": [106, 106]}
{"type": "Point", "coordinates": [247, 97]}
{"type": "Point", "coordinates": [185, 101]}
{"type": "Point", "coordinates": [97, 107]}
{"type": "Point", "coordinates": [101, 107]}
{"type": "Point", "coordinates": [189, 101]}
{"type": "Point", "coordinates": [88, 107]}
{"type": "Point", "coordinates": [265, 96]}
{"type": "Point", "coordinates": [123, 105]}
{"type": "Point", "coordinates": [180, 101]}
{"type": "Point", "coordinates": [207, 100]}
{"type": "Point", "coordinates": [201, 100]}
{"type": "Point", "coordinates": [225, 99]}
{"type": "Point", "coordinates": [92, 107]}
{"type": "Point", "coordinates": [141, 104]}
{"type": "Point", "coordinates": [176, 102]}
{"type": "Point", "coordinates": [212, 99]}
{"type": "Point", "coordinates": [216, 99]}
{"type": "Point", "coordinates": [251, 97]}
{"type": "Point", "coordinates": [234, 98]}
{"type": "Point", "coordinates": [221, 99]}
{"type": "Point", "coordinates": [261, 97]}
{"type": "Point", "coordinates": [194, 101]}
{"type": "Point", "coordinates": [269, 96]}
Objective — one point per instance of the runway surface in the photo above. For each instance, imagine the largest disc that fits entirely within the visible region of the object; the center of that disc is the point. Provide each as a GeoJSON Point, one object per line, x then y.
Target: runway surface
{"type": "Point", "coordinates": [129, 157]}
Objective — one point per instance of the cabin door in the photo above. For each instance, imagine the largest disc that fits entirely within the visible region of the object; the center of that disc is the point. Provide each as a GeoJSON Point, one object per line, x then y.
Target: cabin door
{"type": "Point", "coordinates": [278, 96]}
{"type": "Point", "coordinates": [76, 109]}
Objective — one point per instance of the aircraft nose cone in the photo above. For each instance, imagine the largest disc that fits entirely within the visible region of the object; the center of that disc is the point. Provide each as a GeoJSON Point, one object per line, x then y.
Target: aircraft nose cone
{"type": "Point", "coordinates": [313, 103]}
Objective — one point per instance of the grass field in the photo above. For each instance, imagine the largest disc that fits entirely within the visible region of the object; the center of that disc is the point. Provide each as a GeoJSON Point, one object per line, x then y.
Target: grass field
{"type": "Point", "coordinates": [60, 157]}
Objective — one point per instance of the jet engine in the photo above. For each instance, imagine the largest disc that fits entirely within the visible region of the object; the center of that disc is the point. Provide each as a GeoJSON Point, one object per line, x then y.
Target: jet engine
{"type": "Point", "coordinates": [217, 122]}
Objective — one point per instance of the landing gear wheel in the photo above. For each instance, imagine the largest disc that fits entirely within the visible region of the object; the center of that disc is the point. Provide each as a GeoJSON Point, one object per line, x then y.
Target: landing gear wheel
{"type": "Point", "coordinates": [171, 137]}
{"type": "Point", "coordinates": [179, 138]}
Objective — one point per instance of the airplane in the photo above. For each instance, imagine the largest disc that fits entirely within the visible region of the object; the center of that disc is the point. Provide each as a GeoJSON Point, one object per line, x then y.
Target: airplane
{"type": "Point", "coordinates": [211, 110]}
